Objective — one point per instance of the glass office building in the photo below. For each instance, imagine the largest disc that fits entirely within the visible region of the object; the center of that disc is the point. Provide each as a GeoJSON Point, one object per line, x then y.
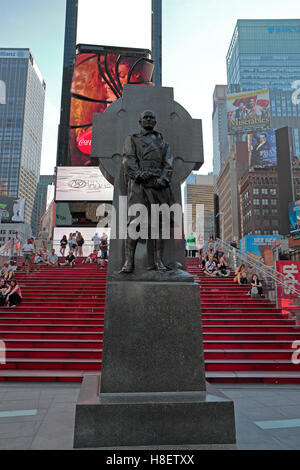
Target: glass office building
{"type": "Point", "coordinates": [264, 54]}
{"type": "Point", "coordinates": [21, 126]}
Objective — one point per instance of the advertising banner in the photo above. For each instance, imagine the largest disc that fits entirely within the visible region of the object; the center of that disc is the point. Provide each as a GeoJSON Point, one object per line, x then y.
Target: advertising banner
{"type": "Point", "coordinates": [248, 111]}
{"type": "Point", "coordinates": [98, 81]}
{"type": "Point", "coordinates": [82, 184]}
{"type": "Point", "coordinates": [262, 149]}
{"type": "Point", "coordinates": [294, 217]}
{"type": "Point", "coordinates": [288, 294]}
{"type": "Point", "coordinates": [259, 247]}
{"type": "Point", "coordinates": [12, 209]}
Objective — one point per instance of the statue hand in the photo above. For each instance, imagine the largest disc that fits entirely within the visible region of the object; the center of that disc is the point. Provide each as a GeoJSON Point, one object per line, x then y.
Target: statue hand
{"type": "Point", "coordinates": [160, 183]}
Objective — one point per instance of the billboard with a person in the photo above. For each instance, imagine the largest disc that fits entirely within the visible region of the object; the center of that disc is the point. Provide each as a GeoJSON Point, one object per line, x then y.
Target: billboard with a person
{"type": "Point", "coordinates": [294, 217]}
{"type": "Point", "coordinates": [262, 149]}
{"type": "Point", "coordinates": [248, 111]}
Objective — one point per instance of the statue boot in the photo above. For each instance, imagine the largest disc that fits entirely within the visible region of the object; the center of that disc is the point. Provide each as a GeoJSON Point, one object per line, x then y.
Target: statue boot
{"type": "Point", "coordinates": [130, 246]}
{"type": "Point", "coordinates": [158, 254]}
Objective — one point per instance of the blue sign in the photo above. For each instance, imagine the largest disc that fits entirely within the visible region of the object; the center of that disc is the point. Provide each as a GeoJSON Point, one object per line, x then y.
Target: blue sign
{"type": "Point", "coordinates": [284, 29]}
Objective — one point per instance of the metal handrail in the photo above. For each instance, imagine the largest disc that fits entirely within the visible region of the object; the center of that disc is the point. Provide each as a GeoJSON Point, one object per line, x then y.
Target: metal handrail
{"type": "Point", "coordinates": [267, 271]}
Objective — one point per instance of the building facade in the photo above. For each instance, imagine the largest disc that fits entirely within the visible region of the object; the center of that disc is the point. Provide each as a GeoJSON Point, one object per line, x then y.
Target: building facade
{"type": "Point", "coordinates": [264, 54]}
{"type": "Point", "coordinates": [41, 200]}
{"type": "Point", "coordinates": [259, 193]}
{"type": "Point", "coordinates": [199, 206]}
{"type": "Point", "coordinates": [21, 127]}
{"type": "Point", "coordinates": [227, 188]}
{"type": "Point", "coordinates": [220, 129]}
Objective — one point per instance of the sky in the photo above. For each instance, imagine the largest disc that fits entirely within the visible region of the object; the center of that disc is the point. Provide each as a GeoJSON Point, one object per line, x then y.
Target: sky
{"type": "Point", "coordinates": [196, 37]}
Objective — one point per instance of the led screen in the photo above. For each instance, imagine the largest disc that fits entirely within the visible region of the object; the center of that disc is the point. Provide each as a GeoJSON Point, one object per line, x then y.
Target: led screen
{"type": "Point", "coordinates": [98, 81]}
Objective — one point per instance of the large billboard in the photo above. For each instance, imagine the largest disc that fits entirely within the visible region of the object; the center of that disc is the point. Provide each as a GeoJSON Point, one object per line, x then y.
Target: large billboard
{"type": "Point", "coordinates": [81, 184]}
{"type": "Point", "coordinates": [262, 149]}
{"type": "Point", "coordinates": [248, 111]}
{"type": "Point", "coordinates": [100, 73]}
{"type": "Point", "coordinates": [294, 217]}
{"type": "Point", "coordinates": [104, 23]}
{"type": "Point", "coordinates": [12, 209]}
{"type": "Point", "coordinates": [259, 247]}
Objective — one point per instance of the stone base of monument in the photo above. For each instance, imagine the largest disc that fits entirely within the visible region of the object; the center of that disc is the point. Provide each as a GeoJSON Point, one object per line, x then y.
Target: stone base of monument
{"type": "Point", "coordinates": [152, 390]}
{"type": "Point", "coordinates": [152, 419]}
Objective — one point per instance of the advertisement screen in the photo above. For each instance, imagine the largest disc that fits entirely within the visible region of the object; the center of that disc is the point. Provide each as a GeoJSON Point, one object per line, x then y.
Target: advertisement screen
{"type": "Point", "coordinates": [262, 149]}
{"type": "Point", "coordinates": [259, 247]}
{"type": "Point", "coordinates": [87, 214]}
{"type": "Point", "coordinates": [82, 184]}
{"type": "Point", "coordinates": [104, 23]}
{"type": "Point", "coordinates": [294, 217]}
{"type": "Point", "coordinates": [248, 111]}
{"type": "Point", "coordinates": [98, 80]}
{"type": "Point", "coordinates": [12, 209]}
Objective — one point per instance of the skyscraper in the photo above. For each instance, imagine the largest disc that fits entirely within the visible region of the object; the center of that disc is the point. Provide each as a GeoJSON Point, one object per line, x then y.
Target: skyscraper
{"type": "Point", "coordinates": [220, 130]}
{"type": "Point", "coordinates": [21, 126]}
{"type": "Point", "coordinates": [264, 54]}
{"type": "Point", "coordinates": [68, 67]}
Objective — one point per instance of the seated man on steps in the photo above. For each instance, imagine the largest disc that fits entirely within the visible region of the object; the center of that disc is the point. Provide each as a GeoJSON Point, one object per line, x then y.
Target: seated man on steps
{"type": "Point", "coordinates": [210, 267]}
{"type": "Point", "coordinates": [69, 260]}
{"type": "Point", "coordinates": [52, 259]}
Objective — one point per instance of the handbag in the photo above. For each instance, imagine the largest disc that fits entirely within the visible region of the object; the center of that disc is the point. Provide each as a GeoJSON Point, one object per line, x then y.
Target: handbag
{"type": "Point", "coordinates": [254, 291]}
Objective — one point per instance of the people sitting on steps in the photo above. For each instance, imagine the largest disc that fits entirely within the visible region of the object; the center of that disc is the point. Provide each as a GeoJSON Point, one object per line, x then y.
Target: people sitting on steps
{"type": "Point", "coordinates": [256, 287]}
{"type": "Point", "coordinates": [52, 259]}
{"type": "Point", "coordinates": [13, 294]}
{"type": "Point", "coordinates": [92, 258]}
{"type": "Point", "coordinates": [211, 267]}
{"type": "Point", "coordinates": [241, 275]}
{"type": "Point", "coordinates": [69, 260]}
{"type": "Point", "coordinates": [223, 267]}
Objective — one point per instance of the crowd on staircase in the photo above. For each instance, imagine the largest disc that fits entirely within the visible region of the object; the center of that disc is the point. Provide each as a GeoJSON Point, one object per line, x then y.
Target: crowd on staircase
{"type": "Point", "coordinates": [35, 252]}
{"type": "Point", "coordinates": [213, 262]}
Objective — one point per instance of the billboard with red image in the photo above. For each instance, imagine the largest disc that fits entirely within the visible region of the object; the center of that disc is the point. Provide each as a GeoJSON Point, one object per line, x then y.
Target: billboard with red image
{"type": "Point", "coordinates": [100, 74]}
{"type": "Point", "coordinates": [248, 111]}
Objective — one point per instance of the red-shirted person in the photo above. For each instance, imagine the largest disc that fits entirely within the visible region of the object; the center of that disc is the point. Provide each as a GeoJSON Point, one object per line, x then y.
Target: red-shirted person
{"type": "Point", "coordinates": [92, 258]}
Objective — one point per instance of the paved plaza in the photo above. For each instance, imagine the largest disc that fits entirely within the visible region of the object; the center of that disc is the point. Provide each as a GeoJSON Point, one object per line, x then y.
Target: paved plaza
{"type": "Point", "coordinates": [40, 416]}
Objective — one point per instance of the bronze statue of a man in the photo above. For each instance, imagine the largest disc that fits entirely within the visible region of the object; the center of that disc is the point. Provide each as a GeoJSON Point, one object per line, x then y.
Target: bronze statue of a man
{"type": "Point", "coordinates": [148, 168]}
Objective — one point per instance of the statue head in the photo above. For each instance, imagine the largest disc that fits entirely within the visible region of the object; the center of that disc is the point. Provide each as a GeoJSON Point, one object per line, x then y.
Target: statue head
{"type": "Point", "coordinates": [147, 120]}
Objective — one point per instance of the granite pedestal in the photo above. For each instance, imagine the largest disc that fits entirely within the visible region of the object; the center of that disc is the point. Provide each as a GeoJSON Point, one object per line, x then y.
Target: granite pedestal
{"type": "Point", "coordinates": [152, 389]}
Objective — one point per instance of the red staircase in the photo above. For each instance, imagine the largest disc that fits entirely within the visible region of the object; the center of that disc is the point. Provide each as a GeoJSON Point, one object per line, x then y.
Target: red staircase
{"type": "Point", "coordinates": [245, 340]}
{"type": "Point", "coordinates": [56, 333]}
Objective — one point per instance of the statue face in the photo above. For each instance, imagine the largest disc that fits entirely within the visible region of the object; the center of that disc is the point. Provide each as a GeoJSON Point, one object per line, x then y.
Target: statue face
{"type": "Point", "coordinates": [147, 120]}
